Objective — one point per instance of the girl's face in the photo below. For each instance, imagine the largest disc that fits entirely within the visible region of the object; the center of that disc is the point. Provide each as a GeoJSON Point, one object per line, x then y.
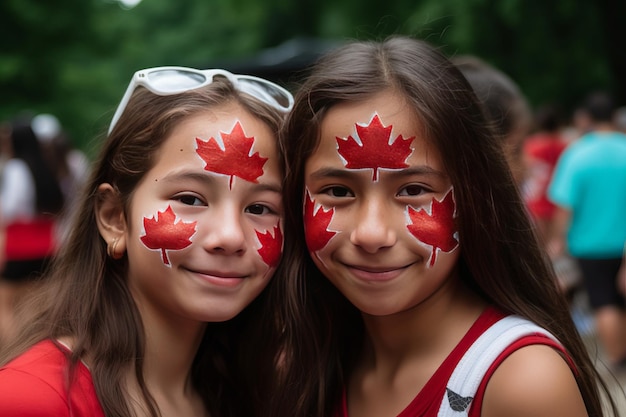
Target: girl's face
{"type": "Point", "coordinates": [379, 208]}
{"type": "Point", "coordinates": [205, 235]}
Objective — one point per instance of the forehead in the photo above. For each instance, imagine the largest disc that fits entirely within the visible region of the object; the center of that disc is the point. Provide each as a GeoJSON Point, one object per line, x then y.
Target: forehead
{"type": "Point", "coordinates": [213, 124]}
{"type": "Point", "coordinates": [391, 107]}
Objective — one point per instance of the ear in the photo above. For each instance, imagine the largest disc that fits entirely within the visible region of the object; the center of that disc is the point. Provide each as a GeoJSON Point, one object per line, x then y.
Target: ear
{"type": "Point", "coordinates": [110, 217]}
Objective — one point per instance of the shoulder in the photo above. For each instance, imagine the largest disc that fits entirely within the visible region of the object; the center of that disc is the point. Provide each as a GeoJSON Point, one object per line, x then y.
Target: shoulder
{"type": "Point", "coordinates": [43, 358]}
{"type": "Point", "coordinates": [576, 148]}
{"type": "Point", "coordinates": [534, 380]}
{"type": "Point", "coordinates": [571, 161]}
{"type": "Point", "coordinates": [31, 385]}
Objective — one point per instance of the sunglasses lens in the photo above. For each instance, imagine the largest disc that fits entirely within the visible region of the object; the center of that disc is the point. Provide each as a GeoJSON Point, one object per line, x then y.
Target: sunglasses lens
{"type": "Point", "coordinates": [174, 81]}
{"type": "Point", "coordinates": [265, 91]}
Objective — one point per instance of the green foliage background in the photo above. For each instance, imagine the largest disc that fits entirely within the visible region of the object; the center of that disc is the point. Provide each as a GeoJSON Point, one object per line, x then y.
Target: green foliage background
{"type": "Point", "coordinates": [74, 58]}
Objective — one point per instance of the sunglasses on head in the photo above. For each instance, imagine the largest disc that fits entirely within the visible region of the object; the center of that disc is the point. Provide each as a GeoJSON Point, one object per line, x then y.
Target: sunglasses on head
{"type": "Point", "coordinates": [165, 81]}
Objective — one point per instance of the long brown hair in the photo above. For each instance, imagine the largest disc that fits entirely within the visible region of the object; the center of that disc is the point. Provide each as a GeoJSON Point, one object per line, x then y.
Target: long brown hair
{"type": "Point", "coordinates": [500, 257]}
{"type": "Point", "coordinates": [86, 296]}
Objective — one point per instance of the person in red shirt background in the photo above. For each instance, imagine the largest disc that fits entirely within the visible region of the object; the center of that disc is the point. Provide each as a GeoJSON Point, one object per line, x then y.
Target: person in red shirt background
{"type": "Point", "coordinates": [541, 152]}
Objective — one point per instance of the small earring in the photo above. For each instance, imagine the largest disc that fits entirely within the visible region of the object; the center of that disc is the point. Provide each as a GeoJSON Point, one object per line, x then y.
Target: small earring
{"type": "Point", "coordinates": [112, 250]}
{"type": "Point", "coordinates": [110, 247]}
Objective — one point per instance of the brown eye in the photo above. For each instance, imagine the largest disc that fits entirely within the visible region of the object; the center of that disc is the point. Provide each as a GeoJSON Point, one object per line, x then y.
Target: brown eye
{"type": "Point", "coordinates": [190, 200]}
{"type": "Point", "coordinates": [258, 209]}
{"type": "Point", "coordinates": [339, 192]}
{"type": "Point", "coordinates": [412, 190]}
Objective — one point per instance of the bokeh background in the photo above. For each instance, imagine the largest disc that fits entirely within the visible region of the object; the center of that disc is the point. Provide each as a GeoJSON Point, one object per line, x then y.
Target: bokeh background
{"type": "Point", "coordinates": [74, 58]}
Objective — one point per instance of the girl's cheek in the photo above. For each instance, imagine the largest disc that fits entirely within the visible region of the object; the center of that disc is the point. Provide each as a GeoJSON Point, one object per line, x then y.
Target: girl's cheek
{"type": "Point", "coordinates": [271, 248]}
{"type": "Point", "coordinates": [435, 227]}
{"type": "Point", "coordinates": [316, 224]}
{"type": "Point", "coordinates": [163, 232]}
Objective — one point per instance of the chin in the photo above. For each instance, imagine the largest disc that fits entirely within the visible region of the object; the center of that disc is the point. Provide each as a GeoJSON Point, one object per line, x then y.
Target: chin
{"type": "Point", "coordinates": [220, 317]}
{"type": "Point", "coordinates": [216, 315]}
{"type": "Point", "coordinates": [376, 308]}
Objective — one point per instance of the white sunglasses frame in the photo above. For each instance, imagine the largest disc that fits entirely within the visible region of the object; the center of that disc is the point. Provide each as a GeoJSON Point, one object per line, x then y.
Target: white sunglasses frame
{"type": "Point", "coordinates": [140, 78]}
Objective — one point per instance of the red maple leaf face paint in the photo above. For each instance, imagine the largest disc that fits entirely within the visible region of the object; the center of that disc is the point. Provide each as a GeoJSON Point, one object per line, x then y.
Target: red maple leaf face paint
{"type": "Point", "coordinates": [437, 228]}
{"type": "Point", "coordinates": [316, 224]}
{"type": "Point", "coordinates": [164, 233]}
{"type": "Point", "coordinates": [271, 246]}
{"type": "Point", "coordinates": [373, 149]}
{"type": "Point", "coordinates": [235, 159]}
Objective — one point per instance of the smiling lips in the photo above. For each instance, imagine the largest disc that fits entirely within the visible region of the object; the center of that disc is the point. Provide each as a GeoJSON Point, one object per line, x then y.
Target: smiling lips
{"type": "Point", "coordinates": [376, 274]}
{"type": "Point", "coordinates": [221, 278]}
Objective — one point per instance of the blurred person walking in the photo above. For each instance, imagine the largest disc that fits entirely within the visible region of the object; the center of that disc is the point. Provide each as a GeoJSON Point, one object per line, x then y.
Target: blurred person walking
{"type": "Point", "coordinates": [541, 151]}
{"type": "Point", "coordinates": [70, 165]}
{"type": "Point", "coordinates": [30, 202]}
{"type": "Point", "coordinates": [588, 186]}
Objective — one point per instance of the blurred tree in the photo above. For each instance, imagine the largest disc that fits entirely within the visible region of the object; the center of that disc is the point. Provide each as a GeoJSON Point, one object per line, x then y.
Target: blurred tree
{"type": "Point", "coordinates": [556, 51]}
{"type": "Point", "coordinates": [36, 46]}
{"type": "Point", "coordinates": [74, 58]}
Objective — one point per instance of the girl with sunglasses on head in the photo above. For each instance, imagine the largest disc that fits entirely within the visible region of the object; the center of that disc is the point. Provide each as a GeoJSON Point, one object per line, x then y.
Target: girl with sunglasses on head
{"type": "Point", "coordinates": [155, 305]}
{"type": "Point", "coordinates": [414, 284]}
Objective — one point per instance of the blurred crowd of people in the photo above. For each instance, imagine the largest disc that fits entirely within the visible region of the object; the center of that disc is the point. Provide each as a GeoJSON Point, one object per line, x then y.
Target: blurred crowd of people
{"type": "Point", "coordinates": [571, 173]}
{"type": "Point", "coordinates": [40, 172]}
{"type": "Point", "coordinates": [588, 188]}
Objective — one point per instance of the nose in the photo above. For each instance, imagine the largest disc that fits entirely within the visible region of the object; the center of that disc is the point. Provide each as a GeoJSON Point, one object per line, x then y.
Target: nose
{"type": "Point", "coordinates": [374, 228]}
{"type": "Point", "coordinates": [225, 233]}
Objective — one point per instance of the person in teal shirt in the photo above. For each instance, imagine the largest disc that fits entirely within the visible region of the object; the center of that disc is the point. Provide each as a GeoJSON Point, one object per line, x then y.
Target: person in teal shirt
{"type": "Point", "coordinates": [589, 186]}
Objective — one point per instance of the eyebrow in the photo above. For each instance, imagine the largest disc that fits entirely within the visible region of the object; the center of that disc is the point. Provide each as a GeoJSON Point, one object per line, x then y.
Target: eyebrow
{"type": "Point", "coordinates": [403, 172]}
{"type": "Point", "coordinates": [266, 186]}
{"type": "Point", "coordinates": [205, 177]}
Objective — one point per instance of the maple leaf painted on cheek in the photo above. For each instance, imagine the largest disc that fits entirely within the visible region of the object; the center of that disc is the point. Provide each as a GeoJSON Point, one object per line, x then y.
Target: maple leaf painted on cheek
{"type": "Point", "coordinates": [375, 152]}
{"type": "Point", "coordinates": [164, 233]}
{"type": "Point", "coordinates": [234, 159]}
{"type": "Point", "coordinates": [436, 229]}
{"type": "Point", "coordinates": [271, 246]}
{"type": "Point", "coordinates": [316, 230]}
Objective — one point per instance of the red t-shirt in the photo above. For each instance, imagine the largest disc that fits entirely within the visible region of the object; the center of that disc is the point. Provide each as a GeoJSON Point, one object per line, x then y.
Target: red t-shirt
{"type": "Point", "coordinates": [541, 152]}
{"type": "Point", "coordinates": [33, 385]}
{"type": "Point", "coordinates": [428, 401]}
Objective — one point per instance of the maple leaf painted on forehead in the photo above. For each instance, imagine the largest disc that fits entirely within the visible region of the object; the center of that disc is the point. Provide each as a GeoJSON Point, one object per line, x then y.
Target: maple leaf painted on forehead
{"type": "Point", "coordinates": [436, 228]}
{"type": "Point", "coordinates": [316, 224]}
{"type": "Point", "coordinates": [375, 151]}
{"type": "Point", "coordinates": [164, 233]}
{"type": "Point", "coordinates": [234, 159]}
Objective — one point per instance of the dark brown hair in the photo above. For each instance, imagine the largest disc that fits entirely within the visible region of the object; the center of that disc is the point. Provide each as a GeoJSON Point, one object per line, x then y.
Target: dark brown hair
{"type": "Point", "coordinates": [500, 256]}
{"type": "Point", "coordinates": [505, 106]}
{"type": "Point", "coordinates": [87, 297]}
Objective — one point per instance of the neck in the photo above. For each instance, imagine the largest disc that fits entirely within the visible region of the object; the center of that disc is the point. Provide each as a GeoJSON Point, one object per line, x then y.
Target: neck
{"type": "Point", "coordinates": [429, 330]}
{"type": "Point", "coordinates": [169, 356]}
{"type": "Point", "coordinates": [603, 127]}
{"type": "Point", "coordinates": [170, 348]}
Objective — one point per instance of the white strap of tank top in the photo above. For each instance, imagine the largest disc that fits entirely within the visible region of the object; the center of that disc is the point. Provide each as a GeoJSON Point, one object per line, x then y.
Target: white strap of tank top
{"type": "Point", "coordinates": [469, 372]}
